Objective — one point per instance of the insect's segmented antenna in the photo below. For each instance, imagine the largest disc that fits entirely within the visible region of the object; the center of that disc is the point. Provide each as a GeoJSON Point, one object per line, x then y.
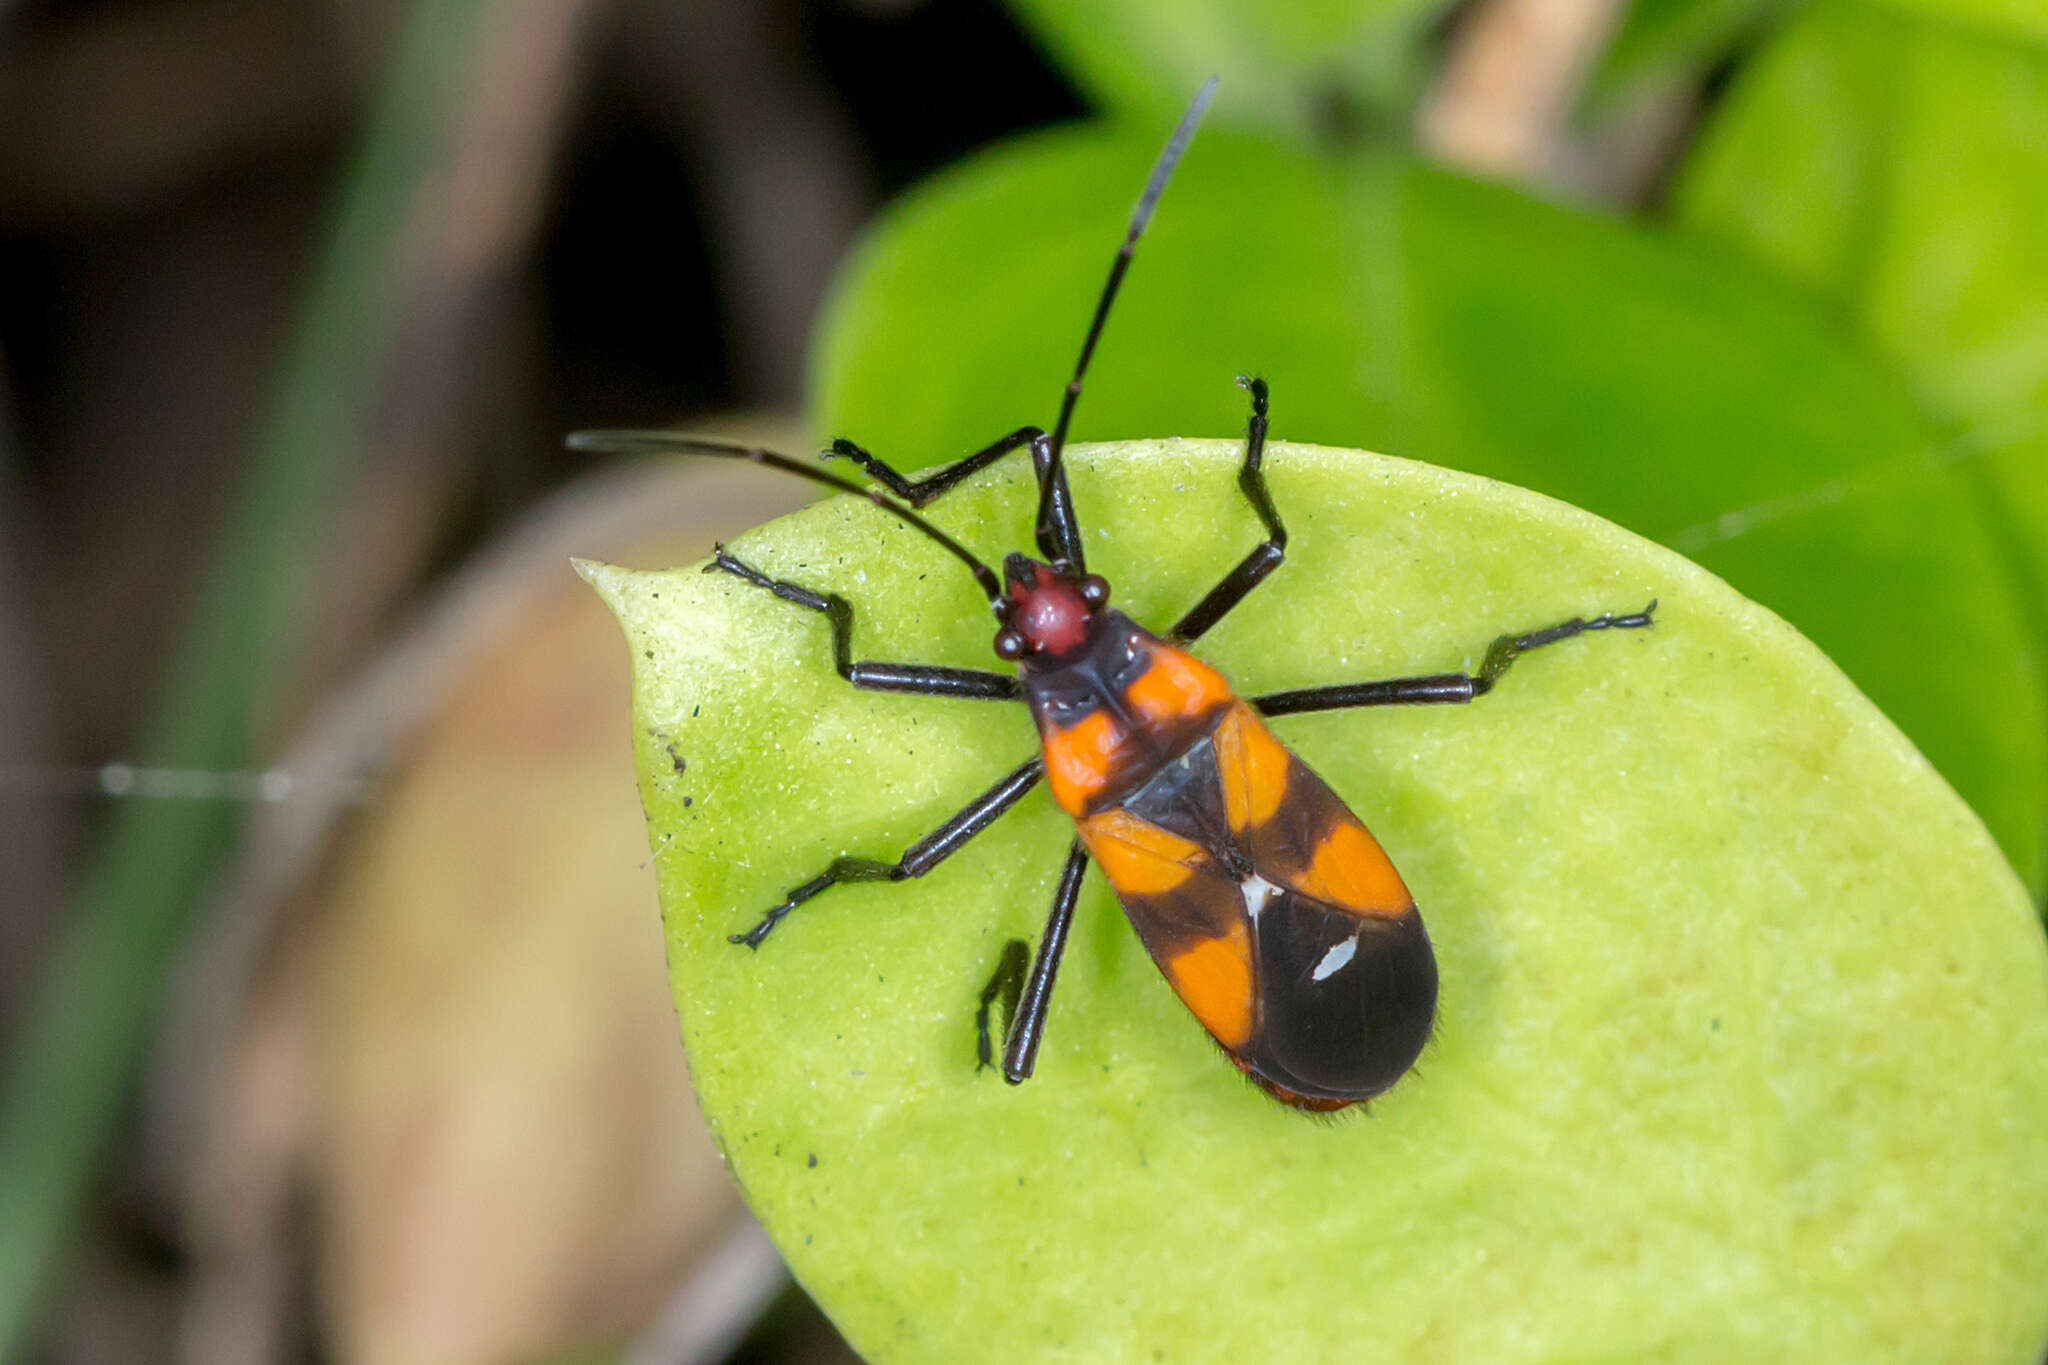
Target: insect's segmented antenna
{"type": "Point", "coordinates": [671, 443]}
{"type": "Point", "coordinates": [1155, 185]}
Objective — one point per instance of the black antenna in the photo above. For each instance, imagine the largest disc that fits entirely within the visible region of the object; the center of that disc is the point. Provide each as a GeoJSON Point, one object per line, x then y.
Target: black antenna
{"type": "Point", "coordinates": [1155, 185]}
{"type": "Point", "coordinates": [669, 443]}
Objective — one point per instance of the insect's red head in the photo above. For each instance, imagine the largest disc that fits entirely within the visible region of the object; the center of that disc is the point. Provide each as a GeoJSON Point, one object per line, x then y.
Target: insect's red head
{"type": "Point", "coordinates": [1047, 611]}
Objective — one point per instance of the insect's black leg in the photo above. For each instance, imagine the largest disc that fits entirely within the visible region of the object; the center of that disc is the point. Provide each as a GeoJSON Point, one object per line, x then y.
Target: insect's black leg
{"type": "Point", "coordinates": [1444, 687]}
{"type": "Point", "coordinates": [1059, 534]}
{"type": "Point", "coordinates": [920, 858]}
{"type": "Point", "coordinates": [1267, 554]}
{"type": "Point", "coordinates": [929, 680]}
{"type": "Point", "coordinates": [1003, 986]}
{"type": "Point", "coordinates": [1027, 1028]}
{"type": "Point", "coordinates": [918, 492]}
{"type": "Point", "coordinates": [1060, 541]}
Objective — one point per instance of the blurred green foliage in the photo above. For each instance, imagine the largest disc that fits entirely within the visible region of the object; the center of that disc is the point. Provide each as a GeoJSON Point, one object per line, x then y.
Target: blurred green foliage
{"type": "Point", "coordinates": [1407, 310]}
{"type": "Point", "coordinates": [1671, 39]}
{"type": "Point", "coordinates": [1893, 166]}
{"type": "Point", "coordinates": [1300, 68]}
{"type": "Point", "coordinates": [1682, 38]}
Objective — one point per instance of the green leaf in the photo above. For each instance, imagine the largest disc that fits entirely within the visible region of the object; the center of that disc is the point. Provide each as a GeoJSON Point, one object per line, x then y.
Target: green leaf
{"type": "Point", "coordinates": [1666, 37]}
{"type": "Point", "coordinates": [1893, 166]}
{"type": "Point", "coordinates": [1662, 39]}
{"type": "Point", "coordinates": [2022, 20]}
{"type": "Point", "coordinates": [1303, 68]}
{"type": "Point", "coordinates": [1399, 306]}
{"type": "Point", "coordinates": [1743, 1045]}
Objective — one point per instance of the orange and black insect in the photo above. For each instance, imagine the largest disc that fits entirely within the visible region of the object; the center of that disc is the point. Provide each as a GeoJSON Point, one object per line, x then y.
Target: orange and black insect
{"type": "Point", "coordinates": [1271, 910]}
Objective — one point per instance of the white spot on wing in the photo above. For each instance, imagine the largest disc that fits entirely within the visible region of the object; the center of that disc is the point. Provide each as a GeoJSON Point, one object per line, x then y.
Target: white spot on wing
{"type": "Point", "coordinates": [1334, 960]}
{"type": "Point", "coordinates": [1257, 891]}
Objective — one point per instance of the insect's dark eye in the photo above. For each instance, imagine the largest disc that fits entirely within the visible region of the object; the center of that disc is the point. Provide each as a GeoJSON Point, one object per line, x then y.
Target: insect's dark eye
{"type": "Point", "coordinates": [1004, 608]}
{"type": "Point", "coordinates": [1095, 590]}
{"type": "Point", "coordinates": [1009, 644]}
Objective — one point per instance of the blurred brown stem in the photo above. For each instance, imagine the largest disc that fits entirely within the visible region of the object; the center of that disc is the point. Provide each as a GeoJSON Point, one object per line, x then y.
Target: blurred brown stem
{"type": "Point", "coordinates": [1507, 103]}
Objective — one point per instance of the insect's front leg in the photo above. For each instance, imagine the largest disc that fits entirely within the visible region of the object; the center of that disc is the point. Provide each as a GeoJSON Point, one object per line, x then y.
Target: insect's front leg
{"type": "Point", "coordinates": [1267, 554]}
{"type": "Point", "coordinates": [1059, 540]}
{"type": "Point", "coordinates": [1440, 688]}
{"type": "Point", "coordinates": [918, 492]}
{"type": "Point", "coordinates": [920, 858]}
{"type": "Point", "coordinates": [930, 680]}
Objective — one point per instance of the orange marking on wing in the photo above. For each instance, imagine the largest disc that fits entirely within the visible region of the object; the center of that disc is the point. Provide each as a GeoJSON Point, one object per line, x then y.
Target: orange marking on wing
{"type": "Point", "coordinates": [1253, 766]}
{"type": "Point", "coordinates": [1351, 870]}
{"type": "Point", "coordinates": [1214, 979]}
{"type": "Point", "coordinates": [1174, 686]}
{"type": "Point", "coordinates": [1078, 760]}
{"type": "Point", "coordinates": [1138, 857]}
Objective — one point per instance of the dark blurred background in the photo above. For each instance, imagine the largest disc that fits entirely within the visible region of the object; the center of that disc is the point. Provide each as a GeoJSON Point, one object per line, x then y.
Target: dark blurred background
{"type": "Point", "coordinates": [633, 214]}
{"type": "Point", "coordinates": [665, 193]}
{"type": "Point", "coordinates": [329, 968]}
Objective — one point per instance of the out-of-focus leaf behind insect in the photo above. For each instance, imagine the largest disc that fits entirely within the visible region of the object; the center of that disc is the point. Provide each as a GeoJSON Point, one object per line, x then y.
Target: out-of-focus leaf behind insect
{"type": "Point", "coordinates": [1389, 304]}
{"type": "Point", "coordinates": [1667, 39]}
{"type": "Point", "coordinates": [1892, 164]}
{"type": "Point", "coordinates": [1301, 69]}
{"type": "Point", "coordinates": [1688, 38]}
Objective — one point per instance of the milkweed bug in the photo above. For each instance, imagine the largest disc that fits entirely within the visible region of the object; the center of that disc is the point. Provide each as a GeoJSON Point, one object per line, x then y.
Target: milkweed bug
{"type": "Point", "coordinates": [1268, 906]}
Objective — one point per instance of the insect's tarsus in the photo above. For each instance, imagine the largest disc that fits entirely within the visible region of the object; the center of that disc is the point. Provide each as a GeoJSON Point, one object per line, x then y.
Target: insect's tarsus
{"type": "Point", "coordinates": [1508, 648]}
{"type": "Point", "coordinates": [1445, 689]}
{"type": "Point", "coordinates": [873, 675]}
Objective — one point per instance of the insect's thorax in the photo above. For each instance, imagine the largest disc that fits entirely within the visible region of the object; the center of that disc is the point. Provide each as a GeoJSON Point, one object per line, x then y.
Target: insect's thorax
{"type": "Point", "coordinates": [1118, 710]}
{"type": "Point", "coordinates": [1272, 910]}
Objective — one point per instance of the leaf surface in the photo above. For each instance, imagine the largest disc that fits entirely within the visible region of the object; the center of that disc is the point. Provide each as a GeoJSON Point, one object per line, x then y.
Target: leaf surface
{"type": "Point", "coordinates": [1743, 1043]}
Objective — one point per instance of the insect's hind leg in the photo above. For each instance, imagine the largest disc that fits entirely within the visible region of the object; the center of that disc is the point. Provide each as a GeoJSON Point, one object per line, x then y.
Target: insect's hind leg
{"type": "Point", "coordinates": [930, 680]}
{"type": "Point", "coordinates": [920, 858]}
{"type": "Point", "coordinates": [1442, 688]}
{"type": "Point", "coordinates": [1267, 555]}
